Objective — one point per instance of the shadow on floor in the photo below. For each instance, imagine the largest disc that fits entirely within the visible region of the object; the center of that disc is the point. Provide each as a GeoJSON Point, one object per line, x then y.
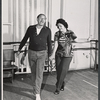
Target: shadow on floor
{"type": "Point", "coordinates": [48, 87]}
{"type": "Point", "coordinates": [26, 79]}
{"type": "Point", "coordinates": [18, 90]}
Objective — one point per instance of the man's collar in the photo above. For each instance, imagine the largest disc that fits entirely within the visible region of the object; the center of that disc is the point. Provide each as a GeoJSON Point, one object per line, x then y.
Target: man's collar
{"type": "Point", "coordinates": [42, 27]}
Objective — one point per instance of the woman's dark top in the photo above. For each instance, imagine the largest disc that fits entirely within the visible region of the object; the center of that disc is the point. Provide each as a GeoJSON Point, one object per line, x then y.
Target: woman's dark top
{"type": "Point", "coordinates": [64, 43]}
{"type": "Point", "coordinates": [37, 42]}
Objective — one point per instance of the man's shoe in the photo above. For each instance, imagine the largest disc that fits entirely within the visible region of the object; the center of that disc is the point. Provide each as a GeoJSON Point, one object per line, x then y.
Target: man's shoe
{"type": "Point", "coordinates": [56, 92]}
{"type": "Point", "coordinates": [38, 97]}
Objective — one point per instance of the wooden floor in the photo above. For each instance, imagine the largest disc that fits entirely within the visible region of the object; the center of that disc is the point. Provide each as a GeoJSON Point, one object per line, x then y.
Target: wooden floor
{"type": "Point", "coordinates": [81, 85]}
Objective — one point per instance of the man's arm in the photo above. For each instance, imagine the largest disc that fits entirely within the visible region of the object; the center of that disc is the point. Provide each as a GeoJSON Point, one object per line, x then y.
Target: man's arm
{"type": "Point", "coordinates": [49, 44]}
{"type": "Point", "coordinates": [24, 40]}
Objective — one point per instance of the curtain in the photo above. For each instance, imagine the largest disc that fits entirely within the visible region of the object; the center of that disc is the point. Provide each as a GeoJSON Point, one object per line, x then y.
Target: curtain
{"type": "Point", "coordinates": [81, 16]}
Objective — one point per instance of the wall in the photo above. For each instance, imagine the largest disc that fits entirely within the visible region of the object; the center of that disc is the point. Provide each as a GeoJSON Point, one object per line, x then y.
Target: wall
{"type": "Point", "coordinates": [18, 15]}
{"type": "Point", "coordinates": [81, 15]}
{"type": "Point", "coordinates": [96, 20]}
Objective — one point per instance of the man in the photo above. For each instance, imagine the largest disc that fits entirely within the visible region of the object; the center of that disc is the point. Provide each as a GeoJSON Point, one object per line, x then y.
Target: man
{"type": "Point", "coordinates": [39, 37]}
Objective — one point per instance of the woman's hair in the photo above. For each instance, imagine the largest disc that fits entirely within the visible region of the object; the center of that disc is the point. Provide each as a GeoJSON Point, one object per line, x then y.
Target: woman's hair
{"type": "Point", "coordinates": [62, 21]}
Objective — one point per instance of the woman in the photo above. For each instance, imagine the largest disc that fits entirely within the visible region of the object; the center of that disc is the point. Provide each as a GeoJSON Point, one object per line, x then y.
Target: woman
{"type": "Point", "coordinates": [62, 52]}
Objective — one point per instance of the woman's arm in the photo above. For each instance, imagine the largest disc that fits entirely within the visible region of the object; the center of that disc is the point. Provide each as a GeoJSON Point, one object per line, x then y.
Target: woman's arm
{"type": "Point", "coordinates": [54, 50]}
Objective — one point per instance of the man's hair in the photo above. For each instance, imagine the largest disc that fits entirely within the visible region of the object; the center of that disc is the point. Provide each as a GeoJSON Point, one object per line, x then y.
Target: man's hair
{"type": "Point", "coordinates": [40, 15]}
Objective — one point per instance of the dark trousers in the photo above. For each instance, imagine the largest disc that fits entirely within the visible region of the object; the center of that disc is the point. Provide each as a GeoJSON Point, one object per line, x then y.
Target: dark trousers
{"type": "Point", "coordinates": [62, 66]}
{"type": "Point", "coordinates": [36, 62]}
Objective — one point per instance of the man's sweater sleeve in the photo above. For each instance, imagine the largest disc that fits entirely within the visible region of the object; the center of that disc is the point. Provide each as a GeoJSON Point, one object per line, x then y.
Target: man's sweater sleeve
{"type": "Point", "coordinates": [49, 44]}
{"type": "Point", "coordinates": [24, 40]}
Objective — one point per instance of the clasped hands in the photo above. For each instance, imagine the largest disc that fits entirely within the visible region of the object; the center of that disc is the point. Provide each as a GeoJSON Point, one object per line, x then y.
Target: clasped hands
{"type": "Point", "coordinates": [51, 57]}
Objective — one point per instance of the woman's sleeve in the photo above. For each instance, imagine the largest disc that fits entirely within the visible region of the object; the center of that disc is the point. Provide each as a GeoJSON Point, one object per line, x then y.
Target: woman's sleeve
{"type": "Point", "coordinates": [56, 36]}
{"type": "Point", "coordinates": [73, 36]}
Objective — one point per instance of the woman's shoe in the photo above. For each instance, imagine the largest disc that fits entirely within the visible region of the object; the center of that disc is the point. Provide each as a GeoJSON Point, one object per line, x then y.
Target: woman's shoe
{"type": "Point", "coordinates": [62, 88]}
{"type": "Point", "coordinates": [56, 92]}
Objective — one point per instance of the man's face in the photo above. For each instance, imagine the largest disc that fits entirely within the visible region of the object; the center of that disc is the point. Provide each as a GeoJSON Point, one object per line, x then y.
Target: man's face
{"type": "Point", "coordinates": [41, 20]}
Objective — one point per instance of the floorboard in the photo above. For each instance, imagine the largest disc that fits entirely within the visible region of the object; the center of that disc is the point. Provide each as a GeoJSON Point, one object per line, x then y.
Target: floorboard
{"type": "Point", "coordinates": [80, 85]}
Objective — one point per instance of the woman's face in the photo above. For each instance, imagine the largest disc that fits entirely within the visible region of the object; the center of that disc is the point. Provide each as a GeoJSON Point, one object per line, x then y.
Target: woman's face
{"type": "Point", "coordinates": [61, 27]}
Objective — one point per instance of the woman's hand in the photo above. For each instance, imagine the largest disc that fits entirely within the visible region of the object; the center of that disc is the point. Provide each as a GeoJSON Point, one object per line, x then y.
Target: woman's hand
{"type": "Point", "coordinates": [54, 50]}
{"type": "Point", "coordinates": [51, 57]}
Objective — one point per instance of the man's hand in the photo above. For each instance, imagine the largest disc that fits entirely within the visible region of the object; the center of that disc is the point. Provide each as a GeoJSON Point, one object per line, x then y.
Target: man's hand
{"type": "Point", "coordinates": [17, 54]}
